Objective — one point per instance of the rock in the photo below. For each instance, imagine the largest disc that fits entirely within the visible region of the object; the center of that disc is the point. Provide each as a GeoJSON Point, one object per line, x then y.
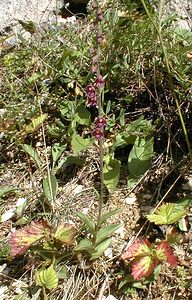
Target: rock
{"type": "Point", "coordinates": [26, 10]}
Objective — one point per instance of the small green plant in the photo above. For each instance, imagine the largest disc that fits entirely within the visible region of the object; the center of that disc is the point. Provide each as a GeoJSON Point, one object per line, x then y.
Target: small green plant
{"type": "Point", "coordinates": [100, 238]}
{"type": "Point", "coordinates": [166, 214]}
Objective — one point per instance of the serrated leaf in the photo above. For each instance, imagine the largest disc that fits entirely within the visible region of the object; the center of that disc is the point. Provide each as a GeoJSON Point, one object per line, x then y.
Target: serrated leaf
{"type": "Point", "coordinates": [84, 245]}
{"type": "Point", "coordinates": [111, 172]}
{"type": "Point", "coordinates": [47, 278]}
{"type": "Point", "coordinates": [35, 124]}
{"type": "Point", "coordinates": [100, 248]}
{"type": "Point", "coordinates": [108, 215]}
{"type": "Point", "coordinates": [22, 239]}
{"type": "Point", "coordinates": [82, 115]}
{"type": "Point", "coordinates": [78, 143]}
{"type": "Point", "coordinates": [138, 248]}
{"type": "Point", "coordinates": [87, 220]}
{"type": "Point", "coordinates": [166, 214]}
{"type": "Point", "coordinates": [50, 187]}
{"type": "Point", "coordinates": [65, 233]}
{"type": "Point", "coordinates": [105, 232]}
{"type": "Point", "coordinates": [32, 153]}
{"type": "Point", "coordinates": [143, 266]}
{"type": "Point", "coordinates": [139, 159]}
{"type": "Point", "coordinates": [164, 252]}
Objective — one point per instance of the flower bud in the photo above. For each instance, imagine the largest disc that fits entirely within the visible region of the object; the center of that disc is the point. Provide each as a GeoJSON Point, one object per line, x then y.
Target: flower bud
{"type": "Point", "coordinates": [100, 81]}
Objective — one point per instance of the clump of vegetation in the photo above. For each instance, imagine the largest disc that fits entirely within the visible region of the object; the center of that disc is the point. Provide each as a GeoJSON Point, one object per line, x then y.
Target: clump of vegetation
{"type": "Point", "coordinates": [103, 103]}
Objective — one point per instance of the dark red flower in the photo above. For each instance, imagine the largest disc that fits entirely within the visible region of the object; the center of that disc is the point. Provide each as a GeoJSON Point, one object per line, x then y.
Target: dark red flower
{"type": "Point", "coordinates": [91, 92]}
{"type": "Point", "coordinates": [101, 122]}
{"type": "Point", "coordinates": [98, 133]}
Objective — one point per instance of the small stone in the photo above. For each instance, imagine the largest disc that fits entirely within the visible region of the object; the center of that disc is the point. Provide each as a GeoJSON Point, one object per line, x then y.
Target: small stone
{"type": "Point", "coordinates": [130, 200]}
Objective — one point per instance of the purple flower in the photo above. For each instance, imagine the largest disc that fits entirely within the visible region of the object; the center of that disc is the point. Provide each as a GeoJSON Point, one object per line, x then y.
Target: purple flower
{"type": "Point", "coordinates": [98, 133]}
{"type": "Point", "coordinates": [101, 122]}
{"type": "Point", "coordinates": [99, 81]}
{"type": "Point", "coordinates": [91, 92]}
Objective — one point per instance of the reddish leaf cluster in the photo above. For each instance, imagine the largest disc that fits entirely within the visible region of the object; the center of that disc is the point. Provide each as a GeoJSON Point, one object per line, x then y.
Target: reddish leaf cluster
{"type": "Point", "coordinates": [22, 239]}
{"type": "Point", "coordinates": [145, 257]}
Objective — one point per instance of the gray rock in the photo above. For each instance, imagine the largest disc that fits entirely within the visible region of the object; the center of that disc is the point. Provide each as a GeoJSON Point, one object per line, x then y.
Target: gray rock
{"type": "Point", "coordinates": [37, 11]}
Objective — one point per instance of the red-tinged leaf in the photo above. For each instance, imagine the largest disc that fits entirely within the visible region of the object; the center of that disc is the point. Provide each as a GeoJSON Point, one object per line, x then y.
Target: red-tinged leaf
{"type": "Point", "coordinates": [165, 252]}
{"type": "Point", "coordinates": [143, 267]}
{"type": "Point", "coordinates": [22, 239]}
{"type": "Point", "coordinates": [138, 248]}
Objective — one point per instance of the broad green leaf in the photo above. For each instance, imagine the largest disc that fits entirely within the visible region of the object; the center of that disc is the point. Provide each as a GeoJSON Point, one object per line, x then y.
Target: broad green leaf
{"type": "Point", "coordinates": [7, 189]}
{"type": "Point", "coordinates": [22, 239]}
{"type": "Point", "coordinates": [62, 272]}
{"type": "Point", "coordinates": [82, 115]}
{"type": "Point", "coordinates": [65, 233]}
{"type": "Point", "coordinates": [56, 151]}
{"type": "Point", "coordinates": [35, 124]}
{"type": "Point", "coordinates": [50, 187]}
{"type": "Point", "coordinates": [47, 278]}
{"type": "Point", "coordinates": [32, 153]}
{"type": "Point", "coordinates": [78, 143]}
{"type": "Point", "coordinates": [88, 221]}
{"type": "Point", "coordinates": [140, 126]}
{"type": "Point", "coordinates": [123, 139]}
{"type": "Point", "coordinates": [139, 159]}
{"type": "Point", "coordinates": [111, 174]}
{"type": "Point", "coordinates": [109, 215]}
{"type": "Point", "coordinates": [99, 249]}
{"type": "Point", "coordinates": [105, 232]}
{"type": "Point", "coordinates": [84, 245]}
{"type": "Point", "coordinates": [166, 214]}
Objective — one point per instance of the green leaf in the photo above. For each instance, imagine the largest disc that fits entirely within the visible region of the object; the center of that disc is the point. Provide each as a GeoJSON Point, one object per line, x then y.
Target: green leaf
{"type": "Point", "coordinates": [139, 159]}
{"type": "Point", "coordinates": [105, 232]}
{"type": "Point", "coordinates": [82, 115]}
{"type": "Point", "coordinates": [85, 245]}
{"type": "Point", "coordinates": [111, 172]}
{"type": "Point", "coordinates": [109, 215]}
{"type": "Point", "coordinates": [78, 143]}
{"type": "Point", "coordinates": [56, 151]}
{"type": "Point", "coordinates": [62, 272]}
{"type": "Point", "coordinates": [32, 153]}
{"type": "Point", "coordinates": [50, 187]}
{"type": "Point", "coordinates": [7, 189]}
{"type": "Point", "coordinates": [99, 249]}
{"type": "Point", "coordinates": [35, 124]}
{"type": "Point", "coordinates": [47, 278]}
{"type": "Point", "coordinates": [88, 221]}
{"type": "Point", "coordinates": [166, 214]}
{"type": "Point", "coordinates": [65, 233]}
